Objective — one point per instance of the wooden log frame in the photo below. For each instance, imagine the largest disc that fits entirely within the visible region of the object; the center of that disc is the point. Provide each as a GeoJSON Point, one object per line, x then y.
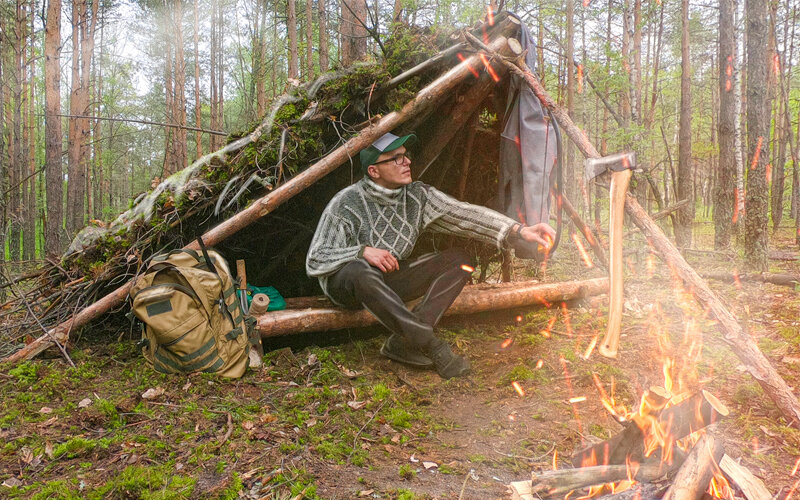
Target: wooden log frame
{"type": "Point", "coordinates": [733, 334]}
{"type": "Point", "coordinates": [421, 103]}
{"type": "Point", "coordinates": [474, 299]}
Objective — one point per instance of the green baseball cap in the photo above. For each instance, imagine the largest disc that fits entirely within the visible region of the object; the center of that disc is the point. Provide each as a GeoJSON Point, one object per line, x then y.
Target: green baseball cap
{"type": "Point", "coordinates": [387, 142]}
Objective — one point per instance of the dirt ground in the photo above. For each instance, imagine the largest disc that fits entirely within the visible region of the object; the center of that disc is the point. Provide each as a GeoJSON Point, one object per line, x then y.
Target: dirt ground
{"type": "Point", "coordinates": [328, 417]}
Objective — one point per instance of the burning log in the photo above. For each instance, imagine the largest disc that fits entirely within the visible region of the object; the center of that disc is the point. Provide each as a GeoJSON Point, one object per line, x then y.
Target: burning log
{"type": "Point", "coordinates": [559, 482]}
{"type": "Point", "coordinates": [672, 424]}
{"type": "Point", "coordinates": [752, 487]}
{"type": "Point", "coordinates": [694, 476]}
{"type": "Point", "coordinates": [473, 299]}
{"type": "Point", "coordinates": [639, 492]}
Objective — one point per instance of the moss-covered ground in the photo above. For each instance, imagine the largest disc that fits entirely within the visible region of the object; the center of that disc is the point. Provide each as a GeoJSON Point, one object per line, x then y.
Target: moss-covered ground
{"type": "Point", "coordinates": [339, 421]}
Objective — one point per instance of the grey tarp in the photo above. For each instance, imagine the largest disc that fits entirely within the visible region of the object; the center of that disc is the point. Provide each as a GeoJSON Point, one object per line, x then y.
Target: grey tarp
{"type": "Point", "coordinates": [528, 153]}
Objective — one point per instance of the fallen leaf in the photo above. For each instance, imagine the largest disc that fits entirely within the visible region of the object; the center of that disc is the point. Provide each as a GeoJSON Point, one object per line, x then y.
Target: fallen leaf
{"type": "Point", "coordinates": [429, 465]}
{"type": "Point", "coordinates": [50, 421]}
{"type": "Point", "coordinates": [248, 425]}
{"type": "Point", "coordinates": [413, 459]}
{"type": "Point", "coordinates": [365, 493]}
{"type": "Point", "coordinates": [312, 360]}
{"type": "Point", "coordinates": [186, 386]}
{"type": "Point", "coordinates": [46, 410]}
{"type": "Point", "coordinates": [12, 482]}
{"type": "Point", "coordinates": [267, 418]}
{"type": "Point", "coordinates": [48, 449]}
{"type": "Point", "coordinates": [311, 422]}
{"type": "Point", "coordinates": [153, 393]}
{"type": "Point", "coordinates": [348, 372]}
{"type": "Point", "coordinates": [26, 455]}
{"type": "Point", "coordinates": [396, 438]}
{"type": "Point", "coordinates": [84, 403]}
{"type": "Point", "coordinates": [356, 405]}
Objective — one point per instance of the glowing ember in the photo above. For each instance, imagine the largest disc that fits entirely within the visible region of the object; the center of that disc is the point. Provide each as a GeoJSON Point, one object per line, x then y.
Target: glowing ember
{"type": "Point", "coordinates": [506, 343]}
{"type": "Point", "coordinates": [467, 268]}
{"type": "Point", "coordinates": [546, 331]}
{"type": "Point", "coordinates": [519, 319]}
{"type": "Point", "coordinates": [490, 15]}
{"type": "Point", "coordinates": [540, 363]}
{"type": "Point", "coordinates": [757, 154]}
{"type": "Point", "coordinates": [578, 399]}
{"type": "Point", "coordinates": [489, 67]}
{"type": "Point", "coordinates": [567, 321]}
{"type": "Point", "coordinates": [591, 346]}
{"type": "Point", "coordinates": [555, 460]}
{"type": "Point", "coordinates": [651, 264]}
{"type": "Point", "coordinates": [471, 69]}
{"type": "Point", "coordinates": [518, 388]}
{"type": "Point", "coordinates": [791, 491]}
{"type": "Point", "coordinates": [512, 417]}
{"type": "Point", "coordinates": [587, 261]}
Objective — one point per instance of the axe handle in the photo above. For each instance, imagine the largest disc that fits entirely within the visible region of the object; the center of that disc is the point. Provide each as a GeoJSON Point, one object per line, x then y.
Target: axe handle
{"type": "Point", "coordinates": [617, 191]}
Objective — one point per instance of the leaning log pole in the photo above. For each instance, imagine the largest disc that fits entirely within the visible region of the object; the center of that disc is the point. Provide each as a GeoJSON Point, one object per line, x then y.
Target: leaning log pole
{"type": "Point", "coordinates": [734, 335]}
{"type": "Point", "coordinates": [422, 102]}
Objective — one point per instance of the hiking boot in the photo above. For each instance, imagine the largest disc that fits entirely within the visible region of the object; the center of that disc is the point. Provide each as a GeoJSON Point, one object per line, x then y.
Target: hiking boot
{"type": "Point", "coordinates": [398, 349]}
{"type": "Point", "coordinates": [447, 363]}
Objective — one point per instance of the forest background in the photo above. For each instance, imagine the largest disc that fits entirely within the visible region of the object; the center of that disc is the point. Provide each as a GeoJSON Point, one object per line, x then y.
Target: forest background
{"type": "Point", "coordinates": [102, 99]}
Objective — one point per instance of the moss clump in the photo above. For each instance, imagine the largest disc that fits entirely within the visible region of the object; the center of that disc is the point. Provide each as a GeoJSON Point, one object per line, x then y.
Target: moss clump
{"type": "Point", "coordinates": [78, 446]}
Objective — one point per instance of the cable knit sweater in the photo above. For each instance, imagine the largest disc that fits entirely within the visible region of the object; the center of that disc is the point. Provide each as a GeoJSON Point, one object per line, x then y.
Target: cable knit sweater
{"type": "Point", "coordinates": [366, 214]}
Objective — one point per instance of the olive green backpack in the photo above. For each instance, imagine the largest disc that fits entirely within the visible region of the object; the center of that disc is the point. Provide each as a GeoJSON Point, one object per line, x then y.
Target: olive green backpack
{"type": "Point", "coordinates": [192, 319]}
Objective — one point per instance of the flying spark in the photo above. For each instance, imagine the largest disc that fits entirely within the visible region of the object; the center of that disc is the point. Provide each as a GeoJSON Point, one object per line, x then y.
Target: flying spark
{"type": "Point", "coordinates": [580, 78]}
{"type": "Point", "coordinates": [546, 331]}
{"type": "Point", "coordinates": [567, 321]}
{"type": "Point", "coordinates": [578, 399]}
{"type": "Point", "coordinates": [467, 268]}
{"type": "Point", "coordinates": [506, 343]}
{"type": "Point", "coordinates": [518, 388]}
{"type": "Point", "coordinates": [796, 466]}
{"type": "Point", "coordinates": [490, 15]}
{"type": "Point", "coordinates": [489, 67]}
{"type": "Point", "coordinates": [540, 363]}
{"type": "Point", "coordinates": [587, 260]}
{"type": "Point", "coordinates": [469, 66]}
{"type": "Point", "coordinates": [769, 172]}
{"type": "Point", "coordinates": [757, 154]}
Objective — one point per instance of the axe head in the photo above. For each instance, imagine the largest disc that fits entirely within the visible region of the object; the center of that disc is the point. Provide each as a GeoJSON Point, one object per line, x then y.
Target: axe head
{"type": "Point", "coordinates": [612, 163]}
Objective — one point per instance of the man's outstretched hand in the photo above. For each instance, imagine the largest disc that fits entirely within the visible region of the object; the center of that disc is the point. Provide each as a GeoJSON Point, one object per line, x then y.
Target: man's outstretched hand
{"type": "Point", "coordinates": [382, 259]}
{"type": "Point", "coordinates": [540, 233]}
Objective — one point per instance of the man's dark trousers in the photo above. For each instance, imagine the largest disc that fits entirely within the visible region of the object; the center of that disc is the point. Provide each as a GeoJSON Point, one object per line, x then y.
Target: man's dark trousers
{"type": "Point", "coordinates": [437, 277]}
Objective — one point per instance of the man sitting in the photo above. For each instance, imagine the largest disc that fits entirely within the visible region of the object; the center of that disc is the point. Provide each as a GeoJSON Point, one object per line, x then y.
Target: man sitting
{"type": "Point", "coordinates": [369, 229]}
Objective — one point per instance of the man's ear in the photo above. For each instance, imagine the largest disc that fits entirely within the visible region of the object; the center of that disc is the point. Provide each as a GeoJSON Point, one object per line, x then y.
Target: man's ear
{"type": "Point", "coordinates": [372, 171]}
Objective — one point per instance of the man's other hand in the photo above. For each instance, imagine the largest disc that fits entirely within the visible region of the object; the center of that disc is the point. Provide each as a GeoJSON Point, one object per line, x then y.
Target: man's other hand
{"type": "Point", "coordinates": [540, 233]}
{"type": "Point", "coordinates": [382, 259]}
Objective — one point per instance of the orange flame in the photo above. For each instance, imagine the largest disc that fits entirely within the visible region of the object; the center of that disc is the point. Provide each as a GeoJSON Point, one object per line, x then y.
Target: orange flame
{"type": "Point", "coordinates": [518, 388]}
{"type": "Point", "coordinates": [587, 261]}
{"type": "Point", "coordinates": [469, 66]}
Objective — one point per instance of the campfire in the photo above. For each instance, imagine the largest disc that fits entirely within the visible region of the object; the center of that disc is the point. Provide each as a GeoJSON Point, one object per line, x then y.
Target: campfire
{"type": "Point", "coordinates": [667, 448]}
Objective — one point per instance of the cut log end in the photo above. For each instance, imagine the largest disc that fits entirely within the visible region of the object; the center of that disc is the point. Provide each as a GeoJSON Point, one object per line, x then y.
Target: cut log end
{"type": "Point", "coordinates": [515, 46]}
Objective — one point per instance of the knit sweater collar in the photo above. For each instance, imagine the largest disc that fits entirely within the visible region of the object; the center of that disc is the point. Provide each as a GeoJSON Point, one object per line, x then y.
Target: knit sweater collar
{"type": "Point", "coordinates": [380, 194]}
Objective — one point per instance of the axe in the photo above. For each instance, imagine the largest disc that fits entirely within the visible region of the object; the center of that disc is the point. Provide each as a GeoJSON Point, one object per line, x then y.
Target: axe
{"type": "Point", "coordinates": [621, 166]}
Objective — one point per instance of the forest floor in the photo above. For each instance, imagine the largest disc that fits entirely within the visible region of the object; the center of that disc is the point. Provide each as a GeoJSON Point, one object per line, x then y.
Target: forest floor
{"type": "Point", "coordinates": [328, 417]}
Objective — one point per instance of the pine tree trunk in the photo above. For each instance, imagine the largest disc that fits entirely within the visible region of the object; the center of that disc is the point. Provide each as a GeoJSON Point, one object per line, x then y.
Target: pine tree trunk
{"type": "Point", "coordinates": [758, 126]}
{"type": "Point", "coordinates": [97, 132]}
{"type": "Point", "coordinates": [323, 36]}
{"type": "Point", "coordinates": [726, 171]}
{"type": "Point", "coordinates": [354, 34]}
{"type": "Point", "coordinates": [291, 28]}
{"type": "Point", "coordinates": [169, 97]}
{"type": "Point", "coordinates": [309, 41]}
{"type": "Point", "coordinates": [569, 159]}
{"type": "Point", "coordinates": [16, 163]}
{"type": "Point", "coordinates": [5, 44]}
{"type": "Point", "coordinates": [179, 94]}
{"type": "Point", "coordinates": [683, 232]}
{"type": "Point", "coordinates": [220, 73]}
{"type": "Point", "coordinates": [260, 50]}
{"type": "Point", "coordinates": [213, 140]}
{"type": "Point", "coordinates": [198, 116]}
{"type": "Point", "coordinates": [29, 182]}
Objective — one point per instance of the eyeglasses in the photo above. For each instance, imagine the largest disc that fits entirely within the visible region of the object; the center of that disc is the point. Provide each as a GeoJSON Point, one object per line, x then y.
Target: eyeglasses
{"type": "Point", "coordinates": [397, 159]}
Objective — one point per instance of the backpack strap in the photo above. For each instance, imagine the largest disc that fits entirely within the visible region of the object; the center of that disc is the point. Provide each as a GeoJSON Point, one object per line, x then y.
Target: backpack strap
{"type": "Point", "coordinates": [213, 269]}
